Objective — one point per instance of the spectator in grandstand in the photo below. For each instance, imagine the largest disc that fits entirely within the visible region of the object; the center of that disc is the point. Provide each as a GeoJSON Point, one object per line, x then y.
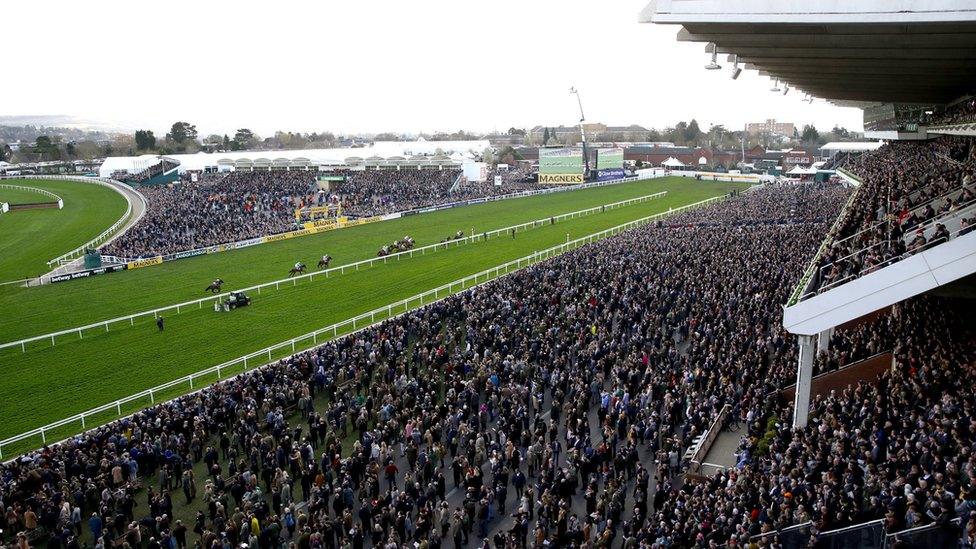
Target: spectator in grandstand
{"type": "Point", "coordinates": [907, 188]}
{"type": "Point", "coordinates": [224, 208]}
{"type": "Point", "coordinates": [377, 192]}
{"type": "Point", "coordinates": [234, 207]}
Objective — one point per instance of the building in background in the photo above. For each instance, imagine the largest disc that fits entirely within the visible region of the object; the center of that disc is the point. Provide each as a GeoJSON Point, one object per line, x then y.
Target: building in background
{"type": "Point", "coordinates": [772, 127]}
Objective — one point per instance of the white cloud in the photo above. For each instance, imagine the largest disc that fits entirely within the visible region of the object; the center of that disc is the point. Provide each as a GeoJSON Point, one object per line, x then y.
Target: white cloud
{"type": "Point", "coordinates": [365, 65]}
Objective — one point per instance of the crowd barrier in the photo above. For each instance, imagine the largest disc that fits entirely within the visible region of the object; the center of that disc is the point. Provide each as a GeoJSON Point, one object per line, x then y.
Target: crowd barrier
{"type": "Point", "coordinates": [199, 303]}
{"type": "Point", "coordinates": [867, 535]}
{"type": "Point", "coordinates": [264, 356]}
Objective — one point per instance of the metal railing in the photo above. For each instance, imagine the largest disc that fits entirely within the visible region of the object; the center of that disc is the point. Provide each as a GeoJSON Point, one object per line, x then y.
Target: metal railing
{"type": "Point", "coordinates": [796, 536]}
{"type": "Point", "coordinates": [106, 234]}
{"type": "Point", "coordinates": [811, 270]}
{"type": "Point", "coordinates": [884, 246]}
{"type": "Point", "coordinates": [199, 303]}
{"type": "Point", "coordinates": [364, 320]}
{"type": "Point", "coordinates": [871, 534]}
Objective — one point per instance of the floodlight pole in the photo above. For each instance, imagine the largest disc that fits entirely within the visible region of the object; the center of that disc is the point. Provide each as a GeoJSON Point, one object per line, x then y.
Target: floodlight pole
{"type": "Point", "coordinates": [586, 157]}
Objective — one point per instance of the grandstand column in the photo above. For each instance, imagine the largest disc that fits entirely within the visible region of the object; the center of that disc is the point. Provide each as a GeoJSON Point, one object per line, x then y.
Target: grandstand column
{"type": "Point", "coordinates": [804, 374]}
{"type": "Point", "coordinates": [823, 340]}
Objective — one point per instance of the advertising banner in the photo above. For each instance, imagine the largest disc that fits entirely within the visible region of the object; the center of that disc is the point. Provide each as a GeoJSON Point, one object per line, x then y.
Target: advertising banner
{"type": "Point", "coordinates": [87, 273]}
{"type": "Point", "coordinates": [149, 261]}
{"type": "Point", "coordinates": [561, 178]}
{"type": "Point", "coordinates": [610, 173]}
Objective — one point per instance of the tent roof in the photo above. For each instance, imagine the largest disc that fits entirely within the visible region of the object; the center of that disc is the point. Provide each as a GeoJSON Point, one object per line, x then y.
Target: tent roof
{"type": "Point", "coordinates": [672, 161]}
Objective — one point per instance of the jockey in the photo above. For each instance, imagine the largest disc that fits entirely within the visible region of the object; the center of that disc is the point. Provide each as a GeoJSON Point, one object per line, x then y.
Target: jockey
{"type": "Point", "coordinates": [298, 266]}
{"type": "Point", "coordinates": [325, 258]}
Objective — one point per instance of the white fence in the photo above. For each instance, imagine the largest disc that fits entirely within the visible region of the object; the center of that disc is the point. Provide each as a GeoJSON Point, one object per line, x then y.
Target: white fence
{"type": "Point", "coordinates": [106, 234]}
{"type": "Point", "coordinates": [311, 339]}
{"type": "Point", "coordinates": [33, 190]}
{"type": "Point", "coordinates": [199, 303]}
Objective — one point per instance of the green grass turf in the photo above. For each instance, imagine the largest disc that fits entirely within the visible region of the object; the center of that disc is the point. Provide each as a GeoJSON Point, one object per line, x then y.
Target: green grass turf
{"type": "Point", "coordinates": [18, 196]}
{"type": "Point", "coordinates": [104, 366]}
{"type": "Point", "coordinates": [34, 311]}
{"type": "Point", "coordinates": [30, 238]}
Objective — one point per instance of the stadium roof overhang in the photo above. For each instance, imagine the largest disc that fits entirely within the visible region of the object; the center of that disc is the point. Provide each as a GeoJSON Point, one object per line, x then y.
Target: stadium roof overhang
{"type": "Point", "coordinates": [851, 53]}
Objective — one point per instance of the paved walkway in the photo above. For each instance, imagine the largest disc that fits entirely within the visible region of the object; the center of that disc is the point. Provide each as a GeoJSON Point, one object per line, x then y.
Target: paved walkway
{"type": "Point", "coordinates": [722, 452]}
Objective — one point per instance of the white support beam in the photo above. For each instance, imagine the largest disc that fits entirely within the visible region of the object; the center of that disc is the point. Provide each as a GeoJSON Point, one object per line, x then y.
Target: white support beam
{"type": "Point", "coordinates": [823, 340]}
{"type": "Point", "coordinates": [804, 375]}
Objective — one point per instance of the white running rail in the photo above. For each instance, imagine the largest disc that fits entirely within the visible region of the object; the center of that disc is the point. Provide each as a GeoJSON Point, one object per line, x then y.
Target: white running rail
{"type": "Point", "coordinates": [311, 339]}
{"type": "Point", "coordinates": [105, 235]}
{"type": "Point", "coordinates": [35, 190]}
{"type": "Point", "coordinates": [198, 303]}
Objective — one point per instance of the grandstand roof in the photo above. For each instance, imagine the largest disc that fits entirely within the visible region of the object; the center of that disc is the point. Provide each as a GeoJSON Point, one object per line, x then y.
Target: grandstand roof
{"type": "Point", "coordinates": [852, 146]}
{"type": "Point", "coordinates": [852, 53]}
{"type": "Point", "coordinates": [458, 150]}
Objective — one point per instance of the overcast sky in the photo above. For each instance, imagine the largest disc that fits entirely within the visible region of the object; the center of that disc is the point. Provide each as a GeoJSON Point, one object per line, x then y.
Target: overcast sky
{"type": "Point", "coordinates": [370, 66]}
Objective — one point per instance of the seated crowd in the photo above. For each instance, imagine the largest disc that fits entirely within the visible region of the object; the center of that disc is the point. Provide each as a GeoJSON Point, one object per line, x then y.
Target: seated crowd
{"type": "Point", "coordinates": [378, 192]}
{"type": "Point", "coordinates": [906, 187]}
{"type": "Point", "coordinates": [960, 113]}
{"type": "Point", "coordinates": [516, 179]}
{"type": "Point", "coordinates": [237, 206]}
{"type": "Point", "coordinates": [223, 208]}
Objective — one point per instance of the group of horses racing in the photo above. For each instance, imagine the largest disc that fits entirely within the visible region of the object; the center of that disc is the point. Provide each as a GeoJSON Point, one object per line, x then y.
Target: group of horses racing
{"type": "Point", "coordinates": [402, 245]}
{"type": "Point", "coordinates": [300, 268]}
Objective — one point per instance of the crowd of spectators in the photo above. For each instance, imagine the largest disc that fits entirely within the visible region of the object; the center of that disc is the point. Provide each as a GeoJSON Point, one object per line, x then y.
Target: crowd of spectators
{"type": "Point", "coordinates": [378, 192]}
{"type": "Point", "coordinates": [896, 448]}
{"type": "Point", "coordinates": [905, 187]}
{"type": "Point", "coordinates": [236, 206]}
{"type": "Point", "coordinates": [222, 208]}
{"type": "Point", "coordinates": [960, 113]}
{"type": "Point", "coordinates": [516, 179]}
{"type": "Point", "coordinates": [548, 407]}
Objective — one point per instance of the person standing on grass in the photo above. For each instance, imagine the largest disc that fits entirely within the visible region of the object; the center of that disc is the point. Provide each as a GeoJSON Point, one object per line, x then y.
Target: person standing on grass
{"type": "Point", "coordinates": [159, 323]}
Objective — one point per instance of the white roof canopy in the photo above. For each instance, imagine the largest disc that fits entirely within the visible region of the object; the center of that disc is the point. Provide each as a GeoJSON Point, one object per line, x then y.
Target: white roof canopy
{"type": "Point", "coordinates": [672, 162]}
{"type": "Point", "coordinates": [852, 146]}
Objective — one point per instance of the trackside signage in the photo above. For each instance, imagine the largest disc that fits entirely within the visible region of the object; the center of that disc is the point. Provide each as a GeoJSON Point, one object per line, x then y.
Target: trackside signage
{"type": "Point", "coordinates": [148, 262]}
{"type": "Point", "coordinates": [560, 178]}
{"type": "Point", "coordinates": [88, 273]}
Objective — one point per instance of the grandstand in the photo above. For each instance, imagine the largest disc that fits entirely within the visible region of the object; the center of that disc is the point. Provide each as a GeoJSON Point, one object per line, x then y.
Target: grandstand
{"type": "Point", "coordinates": [882, 314]}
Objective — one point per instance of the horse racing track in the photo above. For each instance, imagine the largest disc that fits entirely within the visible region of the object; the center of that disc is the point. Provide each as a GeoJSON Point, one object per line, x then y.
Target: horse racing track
{"type": "Point", "coordinates": [31, 237]}
{"type": "Point", "coordinates": [102, 366]}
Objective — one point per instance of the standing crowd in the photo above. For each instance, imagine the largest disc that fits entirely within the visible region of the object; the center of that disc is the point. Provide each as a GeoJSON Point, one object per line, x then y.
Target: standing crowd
{"type": "Point", "coordinates": [546, 408]}
{"type": "Point", "coordinates": [908, 201]}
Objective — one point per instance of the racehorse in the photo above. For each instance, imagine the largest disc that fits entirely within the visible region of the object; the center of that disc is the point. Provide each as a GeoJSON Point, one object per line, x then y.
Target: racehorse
{"type": "Point", "coordinates": [214, 286]}
{"type": "Point", "coordinates": [297, 270]}
{"type": "Point", "coordinates": [324, 262]}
